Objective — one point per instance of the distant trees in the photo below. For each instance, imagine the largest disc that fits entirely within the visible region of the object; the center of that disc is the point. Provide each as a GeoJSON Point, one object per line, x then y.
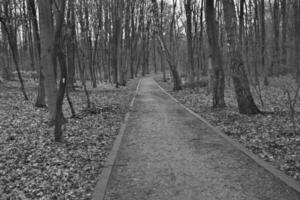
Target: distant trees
{"type": "Point", "coordinates": [112, 41]}
{"type": "Point", "coordinates": [10, 22]}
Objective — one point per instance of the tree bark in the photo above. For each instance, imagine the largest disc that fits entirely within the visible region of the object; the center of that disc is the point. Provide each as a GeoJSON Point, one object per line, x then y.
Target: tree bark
{"type": "Point", "coordinates": [188, 11]}
{"type": "Point", "coordinates": [48, 58]}
{"type": "Point", "coordinates": [172, 64]}
{"type": "Point", "coordinates": [116, 41]}
{"type": "Point", "coordinates": [297, 39]}
{"type": "Point", "coordinates": [58, 53]}
{"type": "Point", "coordinates": [218, 81]}
{"type": "Point", "coordinates": [162, 64]}
{"type": "Point", "coordinates": [40, 100]}
{"type": "Point", "coordinates": [71, 45]}
{"type": "Point", "coordinates": [274, 68]}
{"type": "Point", "coordinates": [284, 33]}
{"type": "Point", "coordinates": [244, 97]}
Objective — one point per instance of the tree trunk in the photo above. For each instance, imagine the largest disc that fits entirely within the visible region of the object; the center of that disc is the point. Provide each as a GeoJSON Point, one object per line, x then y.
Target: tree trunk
{"type": "Point", "coordinates": [244, 97]}
{"type": "Point", "coordinates": [6, 70]}
{"type": "Point", "coordinates": [59, 118]}
{"type": "Point", "coordinates": [162, 65]}
{"type": "Point", "coordinates": [188, 11]}
{"type": "Point", "coordinates": [47, 48]}
{"type": "Point", "coordinates": [163, 46]}
{"type": "Point", "coordinates": [89, 46]}
{"type": "Point", "coordinates": [40, 100]}
{"type": "Point", "coordinates": [132, 44]}
{"type": "Point", "coordinates": [284, 34]}
{"type": "Point", "coordinates": [274, 68]}
{"type": "Point", "coordinates": [218, 81]}
{"type": "Point", "coordinates": [82, 77]}
{"type": "Point", "coordinates": [116, 41]}
{"type": "Point", "coordinates": [58, 53]}
{"type": "Point", "coordinates": [297, 39]}
{"type": "Point", "coordinates": [154, 56]}
{"type": "Point", "coordinates": [71, 46]}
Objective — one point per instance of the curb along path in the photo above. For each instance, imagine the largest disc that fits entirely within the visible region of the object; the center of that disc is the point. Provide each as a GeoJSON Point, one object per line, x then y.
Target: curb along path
{"type": "Point", "coordinates": [167, 152]}
{"type": "Point", "coordinates": [277, 173]}
{"type": "Point", "coordinates": [104, 177]}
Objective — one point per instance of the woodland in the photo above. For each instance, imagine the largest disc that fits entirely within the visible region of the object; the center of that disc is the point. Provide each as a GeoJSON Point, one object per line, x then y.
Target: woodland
{"type": "Point", "coordinates": [69, 69]}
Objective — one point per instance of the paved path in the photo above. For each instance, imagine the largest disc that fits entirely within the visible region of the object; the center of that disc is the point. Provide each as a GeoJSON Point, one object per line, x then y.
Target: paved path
{"type": "Point", "coordinates": [168, 154]}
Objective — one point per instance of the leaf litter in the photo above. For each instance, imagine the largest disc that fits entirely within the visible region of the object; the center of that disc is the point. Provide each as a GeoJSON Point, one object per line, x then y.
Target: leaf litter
{"type": "Point", "coordinates": [33, 166]}
{"type": "Point", "coordinates": [270, 136]}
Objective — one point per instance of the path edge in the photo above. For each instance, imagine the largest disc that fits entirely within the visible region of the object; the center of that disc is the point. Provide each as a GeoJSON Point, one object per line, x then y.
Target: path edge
{"type": "Point", "coordinates": [100, 189]}
{"type": "Point", "coordinates": [277, 173]}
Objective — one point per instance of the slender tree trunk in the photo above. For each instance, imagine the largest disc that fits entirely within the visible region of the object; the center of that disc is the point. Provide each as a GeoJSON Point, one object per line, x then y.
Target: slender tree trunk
{"type": "Point", "coordinates": [218, 81]}
{"type": "Point", "coordinates": [89, 46]}
{"type": "Point", "coordinates": [162, 65]}
{"type": "Point", "coordinates": [82, 77]}
{"type": "Point", "coordinates": [165, 50]}
{"type": "Point", "coordinates": [132, 7]}
{"type": "Point", "coordinates": [257, 44]}
{"type": "Point", "coordinates": [297, 39]}
{"type": "Point", "coordinates": [263, 42]}
{"type": "Point", "coordinates": [47, 50]}
{"type": "Point", "coordinates": [188, 11]}
{"type": "Point", "coordinates": [59, 119]}
{"type": "Point", "coordinates": [284, 33]}
{"type": "Point", "coordinates": [40, 100]}
{"type": "Point", "coordinates": [244, 97]}
{"type": "Point", "coordinates": [274, 68]}
{"type": "Point", "coordinates": [6, 70]}
{"type": "Point", "coordinates": [154, 56]}
{"type": "Point", "coordinates": [71, 46]}
{"type": "Point", "coordinates": [116, 32]}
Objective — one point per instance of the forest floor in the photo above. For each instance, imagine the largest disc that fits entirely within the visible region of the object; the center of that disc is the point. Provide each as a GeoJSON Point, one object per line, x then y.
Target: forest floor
{"type": "Point", "coordinates": [33, 166]}
{"type": "Point", "coordinates": [270, 136]}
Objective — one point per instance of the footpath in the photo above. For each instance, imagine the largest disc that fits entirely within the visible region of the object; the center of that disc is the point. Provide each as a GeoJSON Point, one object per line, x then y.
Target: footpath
{"type": "Point", "coordinates": [167, 153]}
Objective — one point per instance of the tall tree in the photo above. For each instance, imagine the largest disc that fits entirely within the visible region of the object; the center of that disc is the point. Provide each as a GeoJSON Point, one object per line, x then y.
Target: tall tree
{"type": "Point", "coordinates": [164, 48]}
{"type": "Point", "coordinates": [40, 100]}
{"type": "Point", "coordinates": [4, 56]}
{"type": "Point", "coordinates": [296, 6]}
{"type": "Point", "coordinates": [71, 44]}
{"type": "Point", "coordinates": [116, 17]}
{"type": "Point", "coordinates": [284, 33]}
{"type": "Point", "coordinates": [244, 97]}
{"type": "Point", "coordinates": [60, 55]}
{"type": "Point", "coordinates": [188, 11]}
{"type": "Point", "coordinates": [218, 81]}
{"type": "Point", "coordinates": [161, 29]}
{"type": "Point", "coordinates": [274, 68]}
{"type": "Point", "coordinates": [47, 39]}
{"type": "Point", "coordinates": [263, 40]}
